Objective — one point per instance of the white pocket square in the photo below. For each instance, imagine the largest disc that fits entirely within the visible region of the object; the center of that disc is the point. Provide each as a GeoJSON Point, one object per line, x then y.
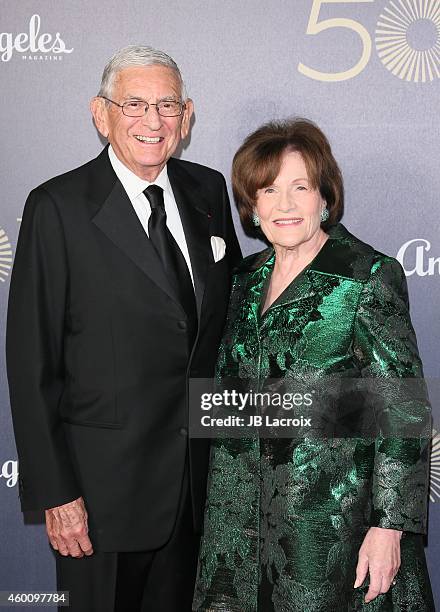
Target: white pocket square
{"type": "Point", "coordinates": [218, 246]}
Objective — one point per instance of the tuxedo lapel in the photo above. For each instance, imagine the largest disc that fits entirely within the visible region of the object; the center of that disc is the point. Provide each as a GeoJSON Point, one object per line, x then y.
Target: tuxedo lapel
{"type": "Point", "coordinates": [117, 219]}
{"type": "Point", "coordinates": [194, 213]}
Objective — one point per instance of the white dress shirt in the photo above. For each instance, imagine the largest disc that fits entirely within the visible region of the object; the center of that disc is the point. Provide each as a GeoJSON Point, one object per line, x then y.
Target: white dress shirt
{"type": "Point", "coordinates": [134, 187]}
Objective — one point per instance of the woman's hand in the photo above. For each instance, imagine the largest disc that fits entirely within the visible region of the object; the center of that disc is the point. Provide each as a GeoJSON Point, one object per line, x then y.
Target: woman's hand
{"type": "Point", "coordinates": [380, 556]}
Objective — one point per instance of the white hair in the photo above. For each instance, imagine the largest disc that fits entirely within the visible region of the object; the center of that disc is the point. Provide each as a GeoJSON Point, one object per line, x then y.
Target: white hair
{"type": "Point", "coordinates": [136, 55]}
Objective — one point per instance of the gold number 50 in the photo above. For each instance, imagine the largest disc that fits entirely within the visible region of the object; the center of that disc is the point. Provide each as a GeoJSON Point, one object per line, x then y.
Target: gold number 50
{"type": "Point", "coordinates": [313, 27]}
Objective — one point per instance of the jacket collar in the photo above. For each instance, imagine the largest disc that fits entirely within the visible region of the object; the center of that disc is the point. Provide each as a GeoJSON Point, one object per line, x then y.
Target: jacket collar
{"type": "Point", "coordinates": [342, 257]}
{"type": "Point", "coordinates": [116, 218]}
{"type": "Point", "coordinates": [195, 213]}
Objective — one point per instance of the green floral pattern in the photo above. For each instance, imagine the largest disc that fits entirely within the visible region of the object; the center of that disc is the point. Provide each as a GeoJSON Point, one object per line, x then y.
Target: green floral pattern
{"type": "Point", "coordinates": [285, 517]}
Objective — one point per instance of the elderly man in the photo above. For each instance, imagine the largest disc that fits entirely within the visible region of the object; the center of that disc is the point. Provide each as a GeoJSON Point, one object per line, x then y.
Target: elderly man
{"type": "Point", "coordinates": [118, 296]}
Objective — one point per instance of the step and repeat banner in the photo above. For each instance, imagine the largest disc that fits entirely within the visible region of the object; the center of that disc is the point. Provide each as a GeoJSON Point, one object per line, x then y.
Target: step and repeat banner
{"type": "Point", "coordinates": [367, 71]}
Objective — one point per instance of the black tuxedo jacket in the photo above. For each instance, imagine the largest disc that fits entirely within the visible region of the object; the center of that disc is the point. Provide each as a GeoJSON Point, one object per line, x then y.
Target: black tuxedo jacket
{"type": "Point", "coordinates": [98, 351]}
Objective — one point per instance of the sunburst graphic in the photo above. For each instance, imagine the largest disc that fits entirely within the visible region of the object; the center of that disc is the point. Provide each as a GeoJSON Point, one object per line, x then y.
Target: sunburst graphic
{"type": "Point", "coordinates": [5, 256]}
{"type": "Point", "coordinates": [434, 489]}
{"type": "Point", "coordinates": [402, 20]}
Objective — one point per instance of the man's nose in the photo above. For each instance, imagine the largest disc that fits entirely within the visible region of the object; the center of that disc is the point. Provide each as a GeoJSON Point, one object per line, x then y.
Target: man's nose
{"type": "Point", "coordinates": [151, 118]}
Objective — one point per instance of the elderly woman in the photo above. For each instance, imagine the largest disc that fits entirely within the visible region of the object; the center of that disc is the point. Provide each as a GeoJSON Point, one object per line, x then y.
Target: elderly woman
{"type": "Point", "coordinates": [315, 523]}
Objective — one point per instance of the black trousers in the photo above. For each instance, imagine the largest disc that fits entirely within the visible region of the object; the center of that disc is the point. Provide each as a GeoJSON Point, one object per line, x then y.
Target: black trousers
{"type": "Point", "coordinates": [151, 581]}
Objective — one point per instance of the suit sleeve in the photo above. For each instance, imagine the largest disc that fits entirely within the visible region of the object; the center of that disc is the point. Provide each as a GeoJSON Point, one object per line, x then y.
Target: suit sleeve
{"type": "Point", "coordinates": [386, 346]}
{"type": "Point", "coordinates": [34, 352]}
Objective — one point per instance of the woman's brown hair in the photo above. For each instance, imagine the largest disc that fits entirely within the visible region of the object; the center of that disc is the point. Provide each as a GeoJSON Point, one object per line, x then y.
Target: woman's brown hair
{"type": "Point", "coordinates": [258, 161]}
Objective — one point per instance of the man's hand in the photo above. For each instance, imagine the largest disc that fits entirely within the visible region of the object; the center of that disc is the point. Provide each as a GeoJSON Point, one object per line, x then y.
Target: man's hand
{"type": "Point", "coordinates": [67, 529]}
{"type": "Point", "coordinates": [380, 556]}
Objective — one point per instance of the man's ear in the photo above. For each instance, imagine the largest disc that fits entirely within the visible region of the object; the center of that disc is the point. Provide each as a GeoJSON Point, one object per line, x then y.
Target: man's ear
{"type": "Point", "coordinates": [186, 119]}
{"type": "Point", "coordinates": [99, 112]}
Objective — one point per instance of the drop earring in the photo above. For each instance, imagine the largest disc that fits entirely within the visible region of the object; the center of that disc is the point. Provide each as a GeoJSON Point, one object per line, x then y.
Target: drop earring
{"type": "Point", "coordinates": [324, 214]}
{"type": "Point", "coordinates": [255, 219]}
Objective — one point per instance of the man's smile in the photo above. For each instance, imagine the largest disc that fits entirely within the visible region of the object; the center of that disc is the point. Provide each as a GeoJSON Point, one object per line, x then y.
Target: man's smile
{"type": "Point", "coordinates": [148, 139]}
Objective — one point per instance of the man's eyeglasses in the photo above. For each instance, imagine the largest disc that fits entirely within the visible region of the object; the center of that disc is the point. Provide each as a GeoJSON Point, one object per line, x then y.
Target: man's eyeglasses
{"type": "Point", "coordinates": [138, 108]}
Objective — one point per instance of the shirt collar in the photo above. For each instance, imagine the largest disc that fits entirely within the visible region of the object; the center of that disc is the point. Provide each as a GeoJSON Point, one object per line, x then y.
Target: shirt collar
{"type": "Point", "coordinates": [132, 184]}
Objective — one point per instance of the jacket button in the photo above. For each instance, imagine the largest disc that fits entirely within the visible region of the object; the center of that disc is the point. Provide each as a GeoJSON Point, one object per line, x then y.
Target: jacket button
{"type": "Point", "coordinates": [182, 325]}
{"type": "Point", "coordinates": [183, 431]}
